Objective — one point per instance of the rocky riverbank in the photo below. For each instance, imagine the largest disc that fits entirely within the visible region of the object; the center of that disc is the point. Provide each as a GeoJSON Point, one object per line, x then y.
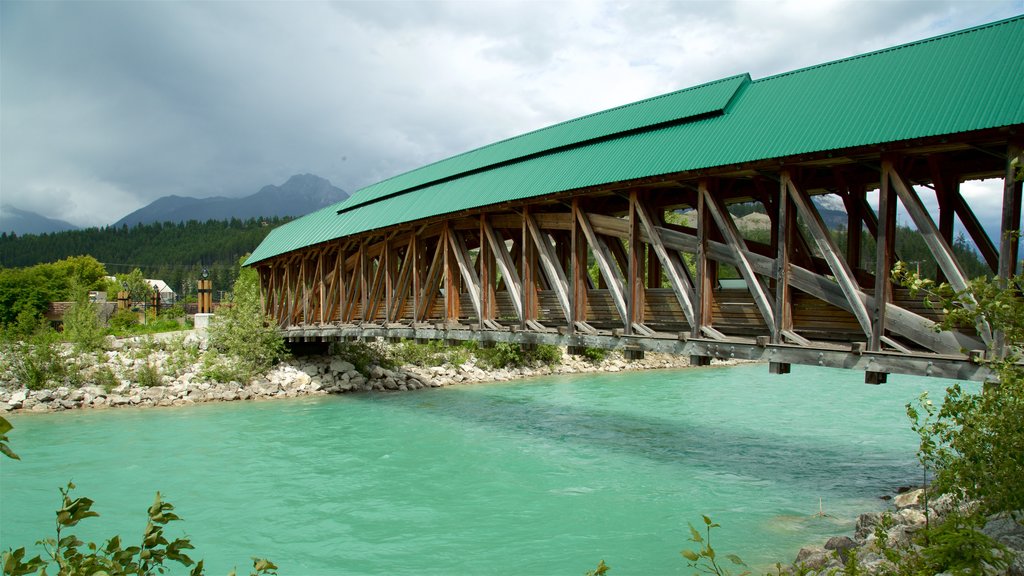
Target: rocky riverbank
{"type": "Point", "coordinates": [881, 535]}
{"type": "Point", "coordinates": [145, 372]}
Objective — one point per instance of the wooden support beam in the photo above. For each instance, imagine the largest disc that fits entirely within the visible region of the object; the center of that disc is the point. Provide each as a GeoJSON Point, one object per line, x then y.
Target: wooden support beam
{"type": "Point", "coordinates": [529, 273]}
{"type": "Point", "coordinates": [635, 282]}
{"type": "Point", "coordinates": [485, 261]}
{"type": "Point", "coordinates": [363, 269]}
{"type": "Point", "coordinates": [469, 276]}
{"type": "Point", "coordinates": [727, 226]}
{"type": "Point", "coordinates": [505, 264]}
{"type": "Point", "coordinates": [785, 224]}
{"type": "Point", "coordinates": [937, 245]}
{"type": "Point", "coordinates": [976, 231]}
{"type": "Point", "coordinates": [604, 265]}
{"type": "Point", "coordinates": [579, 275]}
{"type": "Point", "coordinates": [549, 263]}
{"type": "Point", "coordinates": [675, 269]}
{"type": "Point", "coordinates": [885, 249]}
{"type": "Point", "coordinates": [452, 305]}
{"type": "Point", "coordinates": [1009, 230]}
{"type": "Point", "coordinates": [434, 275]}
{"type": "Point", "coordinates": [940, 249]}
{"type": "Point", "coordinates": [702, 315]}
{"type": "Point", "coordinates": [840, 269]}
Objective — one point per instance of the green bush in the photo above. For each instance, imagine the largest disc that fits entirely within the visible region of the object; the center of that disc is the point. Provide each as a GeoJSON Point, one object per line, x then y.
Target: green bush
{"type": "Point", "coordinates": [217, 368]}
{"type": "Point", "coordinates": [148, 375]}
{"type": "Point", "coordinates": [546, 354]}
{"type": "Point", "coordinates": [595, 355]}
{"type": "Point", "coordinates": [181, 355]}
{"type": "Point", "coordinates": [502, 355]}
{"type": "Point", "coordinates": [36, 362]}
{"type": "Point", "coordinates": [433, 353]}
{"type": "Point", "coordinates": [104, 377]}
{"type": "Point", "coordinates": [122, 321]}
{"type": "Point", "coordinates": [82, 325]}
{"type": "Point", "coordinates": [363, 355]}
{"type": "Point", "coordinates": [244, 332]}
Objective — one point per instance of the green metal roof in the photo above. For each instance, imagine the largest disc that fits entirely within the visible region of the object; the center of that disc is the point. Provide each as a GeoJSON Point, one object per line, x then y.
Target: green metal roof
{"type": "Point", "coordinates": [958, 82]}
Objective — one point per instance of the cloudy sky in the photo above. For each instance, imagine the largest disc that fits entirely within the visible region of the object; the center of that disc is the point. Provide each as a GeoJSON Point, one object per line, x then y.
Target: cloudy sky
{"type": "Point", "coordinates": [106, 106]}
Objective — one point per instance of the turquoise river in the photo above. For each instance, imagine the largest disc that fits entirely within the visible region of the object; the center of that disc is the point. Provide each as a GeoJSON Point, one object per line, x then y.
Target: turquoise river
{"type": "Point", "coordinates": [535, 477]}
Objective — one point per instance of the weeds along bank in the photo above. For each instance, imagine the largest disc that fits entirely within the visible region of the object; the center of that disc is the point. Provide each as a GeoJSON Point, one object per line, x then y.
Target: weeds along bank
{"type": "Point", "coordinates": [177, 370]}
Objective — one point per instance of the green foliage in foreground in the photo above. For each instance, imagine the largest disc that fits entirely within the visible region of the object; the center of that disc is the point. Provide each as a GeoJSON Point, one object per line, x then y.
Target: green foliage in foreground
{"type": "Point", "coordinates": [705, 559]}
{"type": "Point", "coordinates": [69, 556]}
{"type": "Point", "coordinates": [975, 441]}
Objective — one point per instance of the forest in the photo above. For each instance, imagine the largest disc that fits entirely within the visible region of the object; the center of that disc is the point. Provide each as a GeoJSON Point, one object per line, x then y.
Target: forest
{"type": "Point", "coordinates": [173, 252]}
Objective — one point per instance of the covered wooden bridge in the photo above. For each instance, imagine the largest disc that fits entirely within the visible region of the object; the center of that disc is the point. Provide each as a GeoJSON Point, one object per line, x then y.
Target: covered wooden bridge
{"type": "Point", "coordinates": [615, 230]}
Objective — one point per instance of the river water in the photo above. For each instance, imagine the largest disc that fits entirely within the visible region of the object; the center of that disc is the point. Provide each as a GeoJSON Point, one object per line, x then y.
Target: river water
{"type": "Point", "coordinates": [545, 476]}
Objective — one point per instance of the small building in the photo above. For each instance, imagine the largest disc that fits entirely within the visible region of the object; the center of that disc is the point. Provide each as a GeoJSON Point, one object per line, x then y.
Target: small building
{"type": "Point", "coordinates": [167, 296]}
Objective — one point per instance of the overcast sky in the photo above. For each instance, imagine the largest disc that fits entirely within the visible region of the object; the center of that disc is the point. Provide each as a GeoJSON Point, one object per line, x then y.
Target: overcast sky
{"type": "Point", "coordinates": [106, 106]}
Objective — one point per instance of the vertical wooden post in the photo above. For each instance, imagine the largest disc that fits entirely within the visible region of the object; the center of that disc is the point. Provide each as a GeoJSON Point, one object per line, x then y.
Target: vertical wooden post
{"type": "Point", "coordinates": [702, 315]}
{"type": "Point", "coordinates": [886, 247]}
{"type": "Point", "coordinates": [451, 277]}
{"type": "Point", "coordinates": [488, 276]}
{"type": "Point", "coordinates": [529, 273]}
{"type": "Point", "coordinates": [785, 223]}
{"type": "Point", "coordinates": [635, 293]}
{"type": "Point", "coordinates": [580, 278]}
{"type": "Point", "coordinates": [414, 261]}
{"type": "Point", "coordinates": [1009, 230]}
{"type": "Point", "coordinates": [387, 260]}
{"type": "Point", "coordinates": [362, 267]}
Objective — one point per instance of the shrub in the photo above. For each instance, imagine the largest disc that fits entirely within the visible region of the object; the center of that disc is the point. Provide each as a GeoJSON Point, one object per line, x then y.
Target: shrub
{"type": "Point", "coordinates": [148, 375]}
{"type": "Point", "coordinates": [82, 325]}
{"type": "Point", "coordinates": [502, 355]}
{"type": "Point", "coordinates": [595, 355]}
{"type": "Point", "coordinates": [104, 377]}
{"type": "Point", "coordinates": [122, 321]}
{"type": "Point", "coordinates": [181, 355]}
{"type": "Point", "coordinates": [363, 355]}
{"type": "Point", "coordinates": [216, 368]}
{"type": "Point", "coordinates": [244, 332]}
{"type": "Point", "coordinates": [545, 354]}
{"type": "Point", "coordinates": [36, 361]}
{"type": "Point", "coordinates": [433, 353]}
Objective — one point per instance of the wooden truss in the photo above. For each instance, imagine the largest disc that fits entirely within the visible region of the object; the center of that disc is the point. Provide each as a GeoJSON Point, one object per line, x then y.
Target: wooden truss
{"type": "Point", "coordinates": [618, 262]}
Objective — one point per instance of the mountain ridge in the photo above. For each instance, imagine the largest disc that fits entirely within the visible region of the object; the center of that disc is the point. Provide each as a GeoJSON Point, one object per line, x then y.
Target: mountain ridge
{"type": "Point", "coordinates": [18, 221]}
{"type": "Point", "coordinates": [299, 195]}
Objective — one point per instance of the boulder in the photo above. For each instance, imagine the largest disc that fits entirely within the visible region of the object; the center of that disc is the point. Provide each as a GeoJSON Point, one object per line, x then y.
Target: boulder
{"type": "Point", "coordinates": [1009, 533]}
{"type": "Point", "coordinates": [866, 524]}
{"type": "Point", "coordinates": [841, 545]}
{"type": "Point", "coordinates": [813, 558]}
{"type": "Point", "coordinates": [908, 499]}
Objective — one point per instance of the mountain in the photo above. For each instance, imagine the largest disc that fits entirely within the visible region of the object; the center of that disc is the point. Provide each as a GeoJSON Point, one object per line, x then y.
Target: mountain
{"type": "Point", "coordinates": [24, 222]}
{"type": "Point", "coordinates": [300, 195]}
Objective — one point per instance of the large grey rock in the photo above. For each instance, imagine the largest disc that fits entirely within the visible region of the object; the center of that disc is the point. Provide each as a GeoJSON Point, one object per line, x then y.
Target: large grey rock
{"type": "Point", "coordinates": [908, 499]}
{"type": "Point", "coordinates": [1009, 533]}
{"type": "Point", "coordinates": [841, 545]}
{"type": "Point", "coordinates": [813, 558]}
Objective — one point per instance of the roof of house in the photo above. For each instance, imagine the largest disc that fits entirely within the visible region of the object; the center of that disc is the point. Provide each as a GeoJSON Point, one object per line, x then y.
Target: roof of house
{"type": "Point", "coordinates": [959, 82]}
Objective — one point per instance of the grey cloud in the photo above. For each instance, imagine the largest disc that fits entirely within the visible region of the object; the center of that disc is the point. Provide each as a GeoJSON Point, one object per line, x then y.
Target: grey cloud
{"type": "Point", "coordinates": [114, 103]}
